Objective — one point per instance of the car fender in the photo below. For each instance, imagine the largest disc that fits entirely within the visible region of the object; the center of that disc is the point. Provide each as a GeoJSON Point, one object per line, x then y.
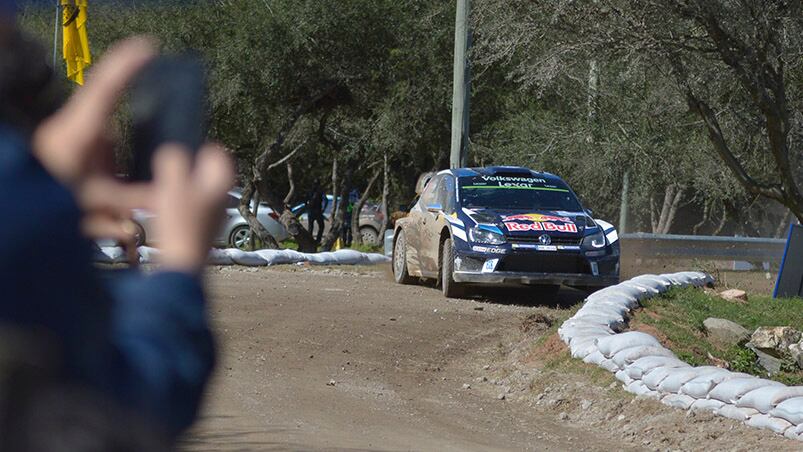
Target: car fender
{"type": "Point", "coordinates": [412, 255]}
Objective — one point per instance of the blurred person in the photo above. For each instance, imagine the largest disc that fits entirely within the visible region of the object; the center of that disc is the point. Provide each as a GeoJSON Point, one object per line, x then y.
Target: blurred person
{"type": "Point", "coordinates": [316, 205]}
{"type": "Point", "coordinates": [135, 349]}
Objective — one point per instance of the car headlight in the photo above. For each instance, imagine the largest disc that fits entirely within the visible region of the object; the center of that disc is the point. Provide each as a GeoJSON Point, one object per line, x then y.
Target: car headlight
{"type": "Point", "coordinates": [478, 235]}
{"type": "Point", "coordinates": [594, 241]}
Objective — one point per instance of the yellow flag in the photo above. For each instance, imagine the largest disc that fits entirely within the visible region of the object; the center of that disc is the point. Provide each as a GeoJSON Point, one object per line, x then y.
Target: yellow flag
{"type": "Point", "coordinates": [76, 43]}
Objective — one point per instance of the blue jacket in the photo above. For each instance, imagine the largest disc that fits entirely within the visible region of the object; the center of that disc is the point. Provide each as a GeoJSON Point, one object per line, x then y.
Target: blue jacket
{"type": "Point", "coordinates": [142, 339]}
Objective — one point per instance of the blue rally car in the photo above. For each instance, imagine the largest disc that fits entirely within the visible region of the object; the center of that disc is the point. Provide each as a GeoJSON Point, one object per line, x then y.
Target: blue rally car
{"type": "Point", "coordinates": [503, 225]}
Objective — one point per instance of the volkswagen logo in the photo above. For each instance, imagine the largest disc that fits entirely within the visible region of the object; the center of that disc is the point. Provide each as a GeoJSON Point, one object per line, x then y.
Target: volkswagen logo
{"type": "Point", "coordinates": [545, 239]}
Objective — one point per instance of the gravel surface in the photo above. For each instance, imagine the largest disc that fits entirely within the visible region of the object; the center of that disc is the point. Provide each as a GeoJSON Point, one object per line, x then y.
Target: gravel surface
{"type": "Point", "coordinates": [318, 358]}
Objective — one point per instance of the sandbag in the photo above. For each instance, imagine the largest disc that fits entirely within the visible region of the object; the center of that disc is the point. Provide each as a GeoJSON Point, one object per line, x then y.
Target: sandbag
{"type": "Point", "coordinates": [626, 357]}
{"type": "Point", "coordinates": [609, 365]}
{"type": "Point", "coordinates": [766, 398]}
{"type": "Point", "coordinates": [249, 259]}
{"type": "Point", "coordinates": [614, 323]}
{"type": "Point", "coordinates": [737, 414]}
{"type": "Point", "coordinates": [110, 255]}
{"type": "Point", "coordinates": [678, 401]}
{"type": "Point", "coordinates": [614, 297]}
{"type": "Point", "coordinates": [279, 257]}
{"type": "Point", "coordinates": [660, 283]}
{"type": "Point", "coordinates": [618, 308]}
{"type": "Point", "coordinates": [706, 405]}
{"type": "Point", "coordinates": [630, 292]}
{"type": "Point", "coordinates": [218, 257]}
{"type": "Point", "coordinates": [594, 358]}
{"type": "Point", "coordinates": [644, 287]}
{"type": "Point", "coordinates": [611, 345]}
{"type": "Point", "coordinates": [148, 255]}
{"type": "Point", "coordinates": [613, 300]}
{"type": "Point", "coordinates": [640, 389]}
{"type": "Point", "coordinates": [791, 434]}
{"type": "Point", "coordinates": [622, 376]}
{"type": "Point", "coordinates": [790, 409]}
{"type": "Point", "coordinates": [697, 279]}
{"type": "Point", "coordinates": [642, 366]}
{"type": "Point", "coordinates": [376, 258]}
{"type": "Point", "coordinates": [730, 391]}
{"type": "Point", "coordinates": [324, 258]}
{"type": "Point", "coordinates": [699, 387]}
{"type": "Point", "coordinates": [654, 378]}
{"type": "Point", "coordinates": [768, 422]}
{"type": "Point", "coordinates": [572, 333]}
{"type": "Point", "coordinates": [603, 310]}
{"type": "Point", "coordinates": [678, 377]}
{"type": "Point", "coordinates": [581, 349]}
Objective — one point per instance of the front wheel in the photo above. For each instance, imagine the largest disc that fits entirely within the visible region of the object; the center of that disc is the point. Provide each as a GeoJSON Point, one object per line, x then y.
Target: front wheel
{"type": "Point", "coordinates": [400, 274]}
{"type": "Point", "coordinates": [369, 236]}
{"type": "Point", "coordinates": [451, 289]}
{"type": "Point", "coordinates": [240, 237]}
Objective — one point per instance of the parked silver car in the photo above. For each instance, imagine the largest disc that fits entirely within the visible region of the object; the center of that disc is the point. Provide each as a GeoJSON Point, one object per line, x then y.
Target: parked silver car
{"type": "Point", "coordinates": [235, 232]}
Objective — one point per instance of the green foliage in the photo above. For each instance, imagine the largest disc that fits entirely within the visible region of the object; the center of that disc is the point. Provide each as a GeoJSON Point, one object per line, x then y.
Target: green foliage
{"type": "Point", "coordinates": [679, 314]}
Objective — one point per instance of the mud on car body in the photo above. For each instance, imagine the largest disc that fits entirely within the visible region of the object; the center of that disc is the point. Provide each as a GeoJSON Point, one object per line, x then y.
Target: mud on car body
{"type": "Point", "coordinates": [503, 225]}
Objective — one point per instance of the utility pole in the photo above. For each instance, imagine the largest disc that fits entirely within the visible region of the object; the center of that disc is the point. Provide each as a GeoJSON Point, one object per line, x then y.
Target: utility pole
{"type": "Point", "coordinates": [461, 87]}
{"type": "Point", "coordinates": [624, 206]}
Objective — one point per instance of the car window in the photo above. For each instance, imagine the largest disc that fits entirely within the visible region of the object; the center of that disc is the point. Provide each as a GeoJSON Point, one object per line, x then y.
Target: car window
{"type": "Point", "coordinates": [445, 194]}
{"type": "Point", "coordinates": [232, 202]}
{"type": "Point", "coordinates": [503, 192]}
{"type": "Point", "coordinates": [428, 196]}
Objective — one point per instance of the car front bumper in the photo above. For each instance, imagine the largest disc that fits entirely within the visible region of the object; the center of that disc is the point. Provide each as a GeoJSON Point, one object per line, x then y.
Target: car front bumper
{"type": "Point", "coordinates": [503, 277]}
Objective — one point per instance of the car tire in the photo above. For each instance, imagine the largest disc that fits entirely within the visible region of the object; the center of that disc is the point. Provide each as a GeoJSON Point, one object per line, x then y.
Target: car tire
{"type": "Point", "coordinates": [399, 261]}
{"type": "Point", "coordinates": [450, 288]}
{"type": "Point", "coordinates": [369, 235]}
{"type": "Point", "coordinates": [240, 237]}
{"type": "Point", "coordinates": [139, 236]}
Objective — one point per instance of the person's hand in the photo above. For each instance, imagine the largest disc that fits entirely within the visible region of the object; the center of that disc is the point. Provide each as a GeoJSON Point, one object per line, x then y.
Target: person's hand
{"type": "Point", "coordinates": [189, 202]}
{"type": "Point", "coordinates": [75, 146]}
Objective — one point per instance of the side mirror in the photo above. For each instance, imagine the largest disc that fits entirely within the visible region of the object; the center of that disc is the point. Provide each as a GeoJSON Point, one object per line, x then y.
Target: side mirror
{"type": "Point", "coordinates": [434, 208]}
{"type": "Point", "coordinates": [590, 213]}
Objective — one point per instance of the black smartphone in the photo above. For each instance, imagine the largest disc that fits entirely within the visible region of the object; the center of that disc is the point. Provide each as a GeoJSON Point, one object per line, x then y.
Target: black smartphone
{"type": "Point", "coordinates": [168, 104]}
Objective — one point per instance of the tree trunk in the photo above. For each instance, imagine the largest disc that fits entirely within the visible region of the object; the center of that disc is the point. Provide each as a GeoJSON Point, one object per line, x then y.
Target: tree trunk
{"type": "Point", "coordinates": [385, 193]}
{"type": "Point", "coordinates": [256, 227]}
{"type": "Point", "coordinates": [334, 188]}
{"type": "Point", "coordinates": [356, 237]}
{"type": "Point", "coordinates": [673, 195]}
{"type": "Point", "coordinates": [339, 213]}
{"type": "Point", "coordinates": [593, 90]}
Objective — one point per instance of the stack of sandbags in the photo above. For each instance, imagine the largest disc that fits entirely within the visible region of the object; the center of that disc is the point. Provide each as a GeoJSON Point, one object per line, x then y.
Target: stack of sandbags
{"type": "Point", "coordinates": [648, 369]}
{"type": "Point", "coordinates": [232, 256]}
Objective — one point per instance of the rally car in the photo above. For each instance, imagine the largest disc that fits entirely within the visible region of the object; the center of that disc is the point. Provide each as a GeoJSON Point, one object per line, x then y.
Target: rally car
{"type": "Point", "coordinates": [503, 225]}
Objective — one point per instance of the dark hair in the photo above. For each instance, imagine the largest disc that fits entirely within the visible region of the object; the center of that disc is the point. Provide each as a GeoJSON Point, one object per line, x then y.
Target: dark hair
{"type": "Point", "coordinates": [28, 91]}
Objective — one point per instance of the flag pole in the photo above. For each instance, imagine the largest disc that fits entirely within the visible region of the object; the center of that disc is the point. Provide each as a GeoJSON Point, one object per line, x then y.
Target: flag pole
{"type": "Point", "coordinates": [56, 35]}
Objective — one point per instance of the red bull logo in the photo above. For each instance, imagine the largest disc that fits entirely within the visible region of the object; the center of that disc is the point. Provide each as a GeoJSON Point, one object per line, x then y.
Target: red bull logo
{"type": "Point", "coordinates": [542, 226]}
{"type": "Point", "coordinates": [536, 218]}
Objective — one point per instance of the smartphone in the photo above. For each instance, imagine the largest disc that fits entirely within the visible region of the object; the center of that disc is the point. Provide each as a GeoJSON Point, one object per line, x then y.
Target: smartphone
{"type": "Point", "coordinates": [168, 104]}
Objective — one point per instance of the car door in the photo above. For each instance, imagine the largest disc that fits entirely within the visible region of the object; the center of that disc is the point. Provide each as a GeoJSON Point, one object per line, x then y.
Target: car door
{"type": "Point", "coordinates": [433, 220]}
{"type": "Point", "coordinates": [416, 252]}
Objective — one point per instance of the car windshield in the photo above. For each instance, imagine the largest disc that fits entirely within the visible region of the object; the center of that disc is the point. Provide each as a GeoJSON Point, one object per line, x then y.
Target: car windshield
{"type": "Point", "coordinates": [516, 192]}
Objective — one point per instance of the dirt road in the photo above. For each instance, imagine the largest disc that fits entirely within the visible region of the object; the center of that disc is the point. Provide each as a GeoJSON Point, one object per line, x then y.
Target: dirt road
{"type": "Point", "coordinates": [344, 359]}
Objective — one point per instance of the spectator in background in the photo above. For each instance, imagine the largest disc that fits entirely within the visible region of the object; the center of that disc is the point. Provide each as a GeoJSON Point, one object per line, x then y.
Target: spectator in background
{"type": "Point", "coordinates": [140, 342]}
{"type": "Point", "coordinates": [316, 205]}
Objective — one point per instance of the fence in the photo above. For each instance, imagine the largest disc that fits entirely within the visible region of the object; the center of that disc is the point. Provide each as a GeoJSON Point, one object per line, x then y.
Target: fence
{"type": "Point", "coordinates": [710, 248]}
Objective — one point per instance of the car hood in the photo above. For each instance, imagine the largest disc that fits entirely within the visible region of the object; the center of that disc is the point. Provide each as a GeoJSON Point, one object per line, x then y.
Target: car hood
{"type": "Point", "coordinates": [533, 223]}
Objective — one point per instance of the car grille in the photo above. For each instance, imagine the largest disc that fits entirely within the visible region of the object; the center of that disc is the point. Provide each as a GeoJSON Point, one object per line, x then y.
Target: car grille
{"type": "Point", "coordinates": [556, 240]}
{"type": "Point", "coordinates": [552, 263]}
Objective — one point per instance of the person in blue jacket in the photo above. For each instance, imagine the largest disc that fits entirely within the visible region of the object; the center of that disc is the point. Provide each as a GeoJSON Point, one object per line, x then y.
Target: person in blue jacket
{"type": "Point", "coordinates": [141, 340]}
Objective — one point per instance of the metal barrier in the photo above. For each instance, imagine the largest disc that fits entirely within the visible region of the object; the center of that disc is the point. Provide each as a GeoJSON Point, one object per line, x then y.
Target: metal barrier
{"type": "Point", "coordinates": [750, 249]}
